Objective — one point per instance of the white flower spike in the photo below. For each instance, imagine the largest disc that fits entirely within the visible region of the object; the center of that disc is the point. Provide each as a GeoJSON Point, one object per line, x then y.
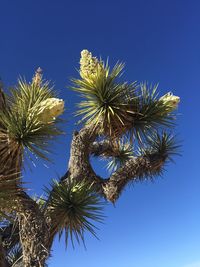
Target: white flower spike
{"type": "Point", "coordinates": [49, 109]}
{"type": "Point", "coordinates": [170, 100]}
{"type": "Point", "coordinates": [88, 64]}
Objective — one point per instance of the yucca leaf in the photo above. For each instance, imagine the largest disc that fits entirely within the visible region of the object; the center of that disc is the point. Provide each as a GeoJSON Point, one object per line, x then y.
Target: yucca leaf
{"type": "Point", "coordinates": [106, 100]}
{"type": "Point", "coordinates": [119, 108]}
{"type": "Point", "coordinates": [163, 144]}
{"type": "Point", "coordinates": [22, 117]}
{"type": "Point", "coordinates": [123, 151]}
{"type": "Point", "coordinates": [150, 114]}
{"type": "Point", "coordinates": [73, 206]}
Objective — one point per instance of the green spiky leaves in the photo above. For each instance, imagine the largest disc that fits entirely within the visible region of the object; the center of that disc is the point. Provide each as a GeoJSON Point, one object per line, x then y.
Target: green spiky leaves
{"type": "Point", "coordinates": [73, 207]}
{"type": "Point", "coordinates": [107, 102]}
{"type": "Point", "coordinates": [152, 113]}
{"type": "Point", "coordinates": [118, 108]}
{"type": "Point", "coordinates": [164, 145]}
{"type": "Point", "coordinates": [30, 117]}
{"type": "Point", "coordinates": [122, 152]}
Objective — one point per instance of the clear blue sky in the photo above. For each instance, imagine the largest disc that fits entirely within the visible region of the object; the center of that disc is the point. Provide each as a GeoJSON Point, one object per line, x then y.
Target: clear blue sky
{"type": "Point", "coordinates": [153, 224]}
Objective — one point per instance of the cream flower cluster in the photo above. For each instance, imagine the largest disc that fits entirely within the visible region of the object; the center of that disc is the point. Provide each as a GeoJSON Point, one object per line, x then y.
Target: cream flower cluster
{"type": "Point", "coordinates": [49, 109]}
{"type": "Point", "coordinates": [37, 78]}
{"type": "Point", "coordinates": [170, 100]}
{"type": "Point", "coordinates": [88, 64]}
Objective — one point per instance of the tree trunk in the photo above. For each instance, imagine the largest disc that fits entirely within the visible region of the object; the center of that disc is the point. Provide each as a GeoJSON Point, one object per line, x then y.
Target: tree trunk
{"type": "Point", "coordinates": [33, 229]}
{"type": "Point", "coordinates": [34, 233]}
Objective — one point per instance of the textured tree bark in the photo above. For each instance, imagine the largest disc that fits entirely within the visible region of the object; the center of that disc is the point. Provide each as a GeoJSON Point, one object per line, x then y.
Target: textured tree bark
{"type": "Point", "coordinates": [84, 144]}
{"type": "Point", "coordinates": [33, 232]}
{"type": "Point", "coordinates": [79, 166]}
{"type": "Point", "coordinates": [135, 169]}
{"type": "Point", "coordinates": [36, 234]}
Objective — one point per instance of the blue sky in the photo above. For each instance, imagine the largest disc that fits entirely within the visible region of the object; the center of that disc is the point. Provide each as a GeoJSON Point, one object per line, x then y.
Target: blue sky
{"type": "Point", "coordinates": [153, 224]}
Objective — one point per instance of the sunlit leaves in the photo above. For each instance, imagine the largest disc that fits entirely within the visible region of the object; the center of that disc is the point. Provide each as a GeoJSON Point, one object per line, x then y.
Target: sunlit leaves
{"type": "Point", "coordinates": [22, 121]}
{"type": "Point", "coordinates": [107, 102]}
{"type": "Point", "coordinates": [151, 114]}
{"type": "Point", "coordinates": [119, 108]}
{"type": "Point", "coordinates": [73, 207]}
{"type": "Point", "coordinates": [122, 151]}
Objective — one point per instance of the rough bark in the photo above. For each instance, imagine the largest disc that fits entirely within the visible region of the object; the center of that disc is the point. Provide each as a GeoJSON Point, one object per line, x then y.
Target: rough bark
{"type": "Point", "coordinates": [79, 167]}
{"type": "Point", "coordinates": [84, 144]}
{"type": "Point", "coordinates": [135, 169]}
{"type": "Point", "coordinates": [36, 234]}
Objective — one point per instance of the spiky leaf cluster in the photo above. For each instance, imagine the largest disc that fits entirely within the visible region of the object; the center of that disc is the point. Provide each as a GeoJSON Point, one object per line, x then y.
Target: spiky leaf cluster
{"type": "Point", "coordinates": [73, 206]}
{"type": "Point", "coordinates": [22, 117]}
{"type": "Point", "coordinates": [122, 151]}
{"type": "Point", "coordinates": [119, 108]}
{"type": "Point", "coordinates": [152, 113]}
{"type": "Point", "coordinates": [164, 144]}
{"type": "Point", "coordinates": [107, 102]}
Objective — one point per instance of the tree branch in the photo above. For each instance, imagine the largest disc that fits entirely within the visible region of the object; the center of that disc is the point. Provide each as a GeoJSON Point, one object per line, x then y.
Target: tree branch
{"type": "Point", "coordinates": [135, 169]}
{"type": "Point", "coordinates": [79, 163]}
{"type": "Point", "coordinates": [104, 148]}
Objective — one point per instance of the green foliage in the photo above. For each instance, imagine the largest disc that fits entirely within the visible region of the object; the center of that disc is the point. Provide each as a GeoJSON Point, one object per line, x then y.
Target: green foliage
{"type": "Point", "coordinates": [123, 114]}
{"type": "Point", "coordinates": [151, 114]}
{"type": "Point", "coordinates": [73, 206]}
{"type": "Point", "coordinates": [21, 118]}
{"type": "Point", "coordinates": [119, 108]}
{"type": "Point", "coordinates": [164, 144]}
{"type": "Point", "coordinates": [122, 151]}
{"type": "Point", "coordinates": [107, 102]}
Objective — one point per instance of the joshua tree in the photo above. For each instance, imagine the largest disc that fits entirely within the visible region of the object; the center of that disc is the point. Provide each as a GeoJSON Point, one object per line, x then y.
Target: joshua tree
{"type": "Point", "coordinates": [127, 124]}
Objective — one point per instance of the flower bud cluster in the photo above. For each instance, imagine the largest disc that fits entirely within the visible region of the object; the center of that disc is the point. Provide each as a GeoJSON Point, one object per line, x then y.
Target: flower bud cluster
{"type": "Point", "coordinates": [88, 64]}
{"type": "Point", "coordinates": [171, 101]}
{"type": "Point", "coordinates": [49, 109]}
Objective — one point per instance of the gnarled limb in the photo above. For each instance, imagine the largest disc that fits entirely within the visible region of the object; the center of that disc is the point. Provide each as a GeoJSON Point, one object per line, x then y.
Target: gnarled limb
{"type": "Point", "coordinates": [135, 169]}
{"type": "Point", "coordinates": [79, 163]}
